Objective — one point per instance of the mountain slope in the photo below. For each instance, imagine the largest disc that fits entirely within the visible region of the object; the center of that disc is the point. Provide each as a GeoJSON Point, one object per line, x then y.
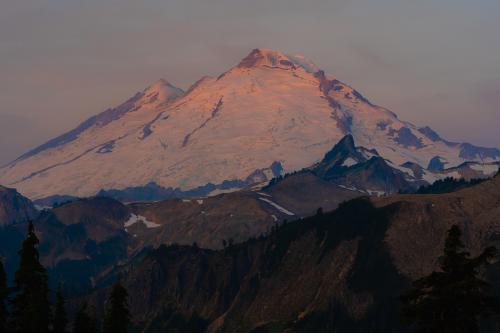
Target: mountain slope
{"type": "Point", "coordinates": [360, 169]}
{"type": "Point", "coordinates": [364, 171]}
{"type": "Point", "coordinates": [269, 109]}
{"type": "Point", "coordinates": [78, 241]}
{"type": "Point", "coordinates": [335, 272]}
{"type": "Point", "coordinates": [86, 238]}
{"type": "Point", "coordinates": [14, 208]}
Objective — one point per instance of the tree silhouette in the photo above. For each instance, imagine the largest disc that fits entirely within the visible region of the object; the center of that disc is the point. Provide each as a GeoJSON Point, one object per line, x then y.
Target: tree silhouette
{"type": "Point", "coordinates": [117, 318]}
{"type": "Point", "coordinates": [454, 298]}
{"type": "Point", "coordinates": [84, 322]}
{"type": "Point", "coordinates": [30, 306]}
{"type": "Point", "coordinates": [4, 293]}
{"type": "Point", "coordinates": [60, 318]}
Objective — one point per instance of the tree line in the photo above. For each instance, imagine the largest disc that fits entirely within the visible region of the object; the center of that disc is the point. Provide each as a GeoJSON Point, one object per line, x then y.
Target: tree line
{"type": "Point", "coordinates": [449, 184]}
{"type": "Point", "coordinates": [453, 299]}
{"type": "Point", "coordinates": [25, 307]}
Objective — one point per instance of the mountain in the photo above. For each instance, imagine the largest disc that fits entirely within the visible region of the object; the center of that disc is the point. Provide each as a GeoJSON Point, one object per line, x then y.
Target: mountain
{"type": "Point", "coordinates": [334, 272]}
{"type": "Point", "coordinates": [343, 155]}
{"type": "Point", "coordinates": [83, 239]}
{"type": "Point", "coordinates": [360, 169]}
{"type": "Point", "coordinates": [93, 235]}
{"type": "Point", "coordinates": [14, 208]}
{"type": "Point", "coordinates": [270, 114]}
{"type": "Point", "coordinates": [78, 241]}
{"type": "Point", "coordinates": [364, 171]}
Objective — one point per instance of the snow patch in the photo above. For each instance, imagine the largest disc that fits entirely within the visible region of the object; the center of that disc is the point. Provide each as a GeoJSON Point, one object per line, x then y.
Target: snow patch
{"type": "Point", "coordinates": [376, 193]}
{"type": "Point", "coordinates": [367, 154]}
{"type": "Point", "coordinates": [278, 207]}
{"type": "Point", "coordinates": [351, 188]}
{"type": "Point", "coordinates": [220, 191]}
{"type": "Point", "coordinates": [486, 169]}
{"type": "Point", "coordinates": [258, 186]}
{"type": "Point", "coordinates": [140, 219]}
{"type": "Point", "coordinates": [349, 162]}
{"type": "Point", "coordinates": [40, 208]}
{"type": "Point", "coordinates": [454, 174]}
{"type": "Point", "coordinates": [305, 63]}
{"type": "Point", "coordinates": [429, 177]}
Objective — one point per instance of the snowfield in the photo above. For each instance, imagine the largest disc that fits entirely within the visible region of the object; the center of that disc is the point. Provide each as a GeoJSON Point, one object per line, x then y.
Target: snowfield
{"type": "Point", "coordinates": [271, 108]}
{"type": "Point", "coordinates": [278, 207]}
{"type": "Point", "coordinates": [140, 219]}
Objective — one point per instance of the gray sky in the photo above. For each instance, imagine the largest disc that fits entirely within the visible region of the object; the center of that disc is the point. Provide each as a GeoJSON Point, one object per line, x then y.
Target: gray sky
{"type": "Point", "coordinates": [433, 62]}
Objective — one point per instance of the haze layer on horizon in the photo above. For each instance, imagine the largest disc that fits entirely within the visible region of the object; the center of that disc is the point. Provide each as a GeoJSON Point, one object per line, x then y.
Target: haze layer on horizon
{"type": "Point", "coordinates": [432, 63]}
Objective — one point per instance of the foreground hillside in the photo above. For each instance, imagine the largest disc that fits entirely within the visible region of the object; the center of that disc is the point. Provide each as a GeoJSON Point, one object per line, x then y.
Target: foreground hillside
{"type": "Point", "coordinates": [86, 238]}
{"type": "Point", "coordinates": [334, 272]}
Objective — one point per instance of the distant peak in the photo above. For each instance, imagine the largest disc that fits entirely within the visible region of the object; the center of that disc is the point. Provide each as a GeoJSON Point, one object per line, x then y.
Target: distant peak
{"type": "Point", "coordinates": [163, 91]}
{"type": "Point", "coordinates": [160, 84]}
{"type": "Point", "coordinates": [262, 57]}
{"type": "Point", "coordinates": [269, 53]}
{"type": "Point", "coordinates": [347, 141]}
{"type": "Point", "coordinates": [345, 147]}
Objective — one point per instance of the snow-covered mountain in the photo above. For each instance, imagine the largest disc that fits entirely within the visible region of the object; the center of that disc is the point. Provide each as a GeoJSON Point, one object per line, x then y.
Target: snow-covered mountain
{"type": "Point", "coordinates": [271, 113]}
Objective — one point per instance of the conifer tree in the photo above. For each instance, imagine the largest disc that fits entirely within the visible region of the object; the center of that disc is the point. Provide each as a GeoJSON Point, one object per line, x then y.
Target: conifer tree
{"type": "Point", "coordinates": [453, 299]}
{"type": "Point", "coordinates": [4, 293]}
{"type": "Point", "coordinates": [30, 306]}
{"type": "Point", "coordinates": [60, 318]}
{"type": "Point", "coordinates": [84, 322]}
{"type": "Point", "coordinates": [117, 317]}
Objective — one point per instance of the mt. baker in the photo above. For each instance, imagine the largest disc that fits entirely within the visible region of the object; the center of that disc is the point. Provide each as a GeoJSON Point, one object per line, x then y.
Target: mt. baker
{"type": "Point", "coordinates": [271, 113]}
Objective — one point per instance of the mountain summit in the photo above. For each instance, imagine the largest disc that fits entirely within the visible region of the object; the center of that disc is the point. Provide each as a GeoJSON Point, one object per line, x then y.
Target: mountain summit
{"type": "Point", "coordinates": [271, 113]}
{"type": "Point", "coordinates": [274, 59]}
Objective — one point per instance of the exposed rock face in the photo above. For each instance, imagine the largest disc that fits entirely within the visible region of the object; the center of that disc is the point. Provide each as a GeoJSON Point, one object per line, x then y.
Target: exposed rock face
{"type": "Point", "coordinates": [430, 133]}
{"type": "Point", "coordinates": [343, 155]}
{"type": "Point", "coordinates": [335, 272]}
{"type": "Point", "coordinates": [360, 169]}
{"type": "Point", "coordinates": [374, 175]}
{"type": "Point", "coordinates": [14, 208]}
{"type": "Point", "coordinates": [471, 152]}
{"type": "Point", "coordinates": [435, 164]}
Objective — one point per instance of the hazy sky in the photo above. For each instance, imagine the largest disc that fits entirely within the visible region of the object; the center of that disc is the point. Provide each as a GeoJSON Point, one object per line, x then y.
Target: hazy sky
{"type": "Point", "coordinates": [432, 62]}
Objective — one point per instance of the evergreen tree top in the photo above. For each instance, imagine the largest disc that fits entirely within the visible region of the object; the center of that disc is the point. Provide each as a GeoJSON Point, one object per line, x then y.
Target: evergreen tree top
{"type": "Point", "coordinates": [30, 258]}
{"type": "Point", "coordinates": [454, 298]}
{"type": "Point", "coordinates": [31, 311]}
